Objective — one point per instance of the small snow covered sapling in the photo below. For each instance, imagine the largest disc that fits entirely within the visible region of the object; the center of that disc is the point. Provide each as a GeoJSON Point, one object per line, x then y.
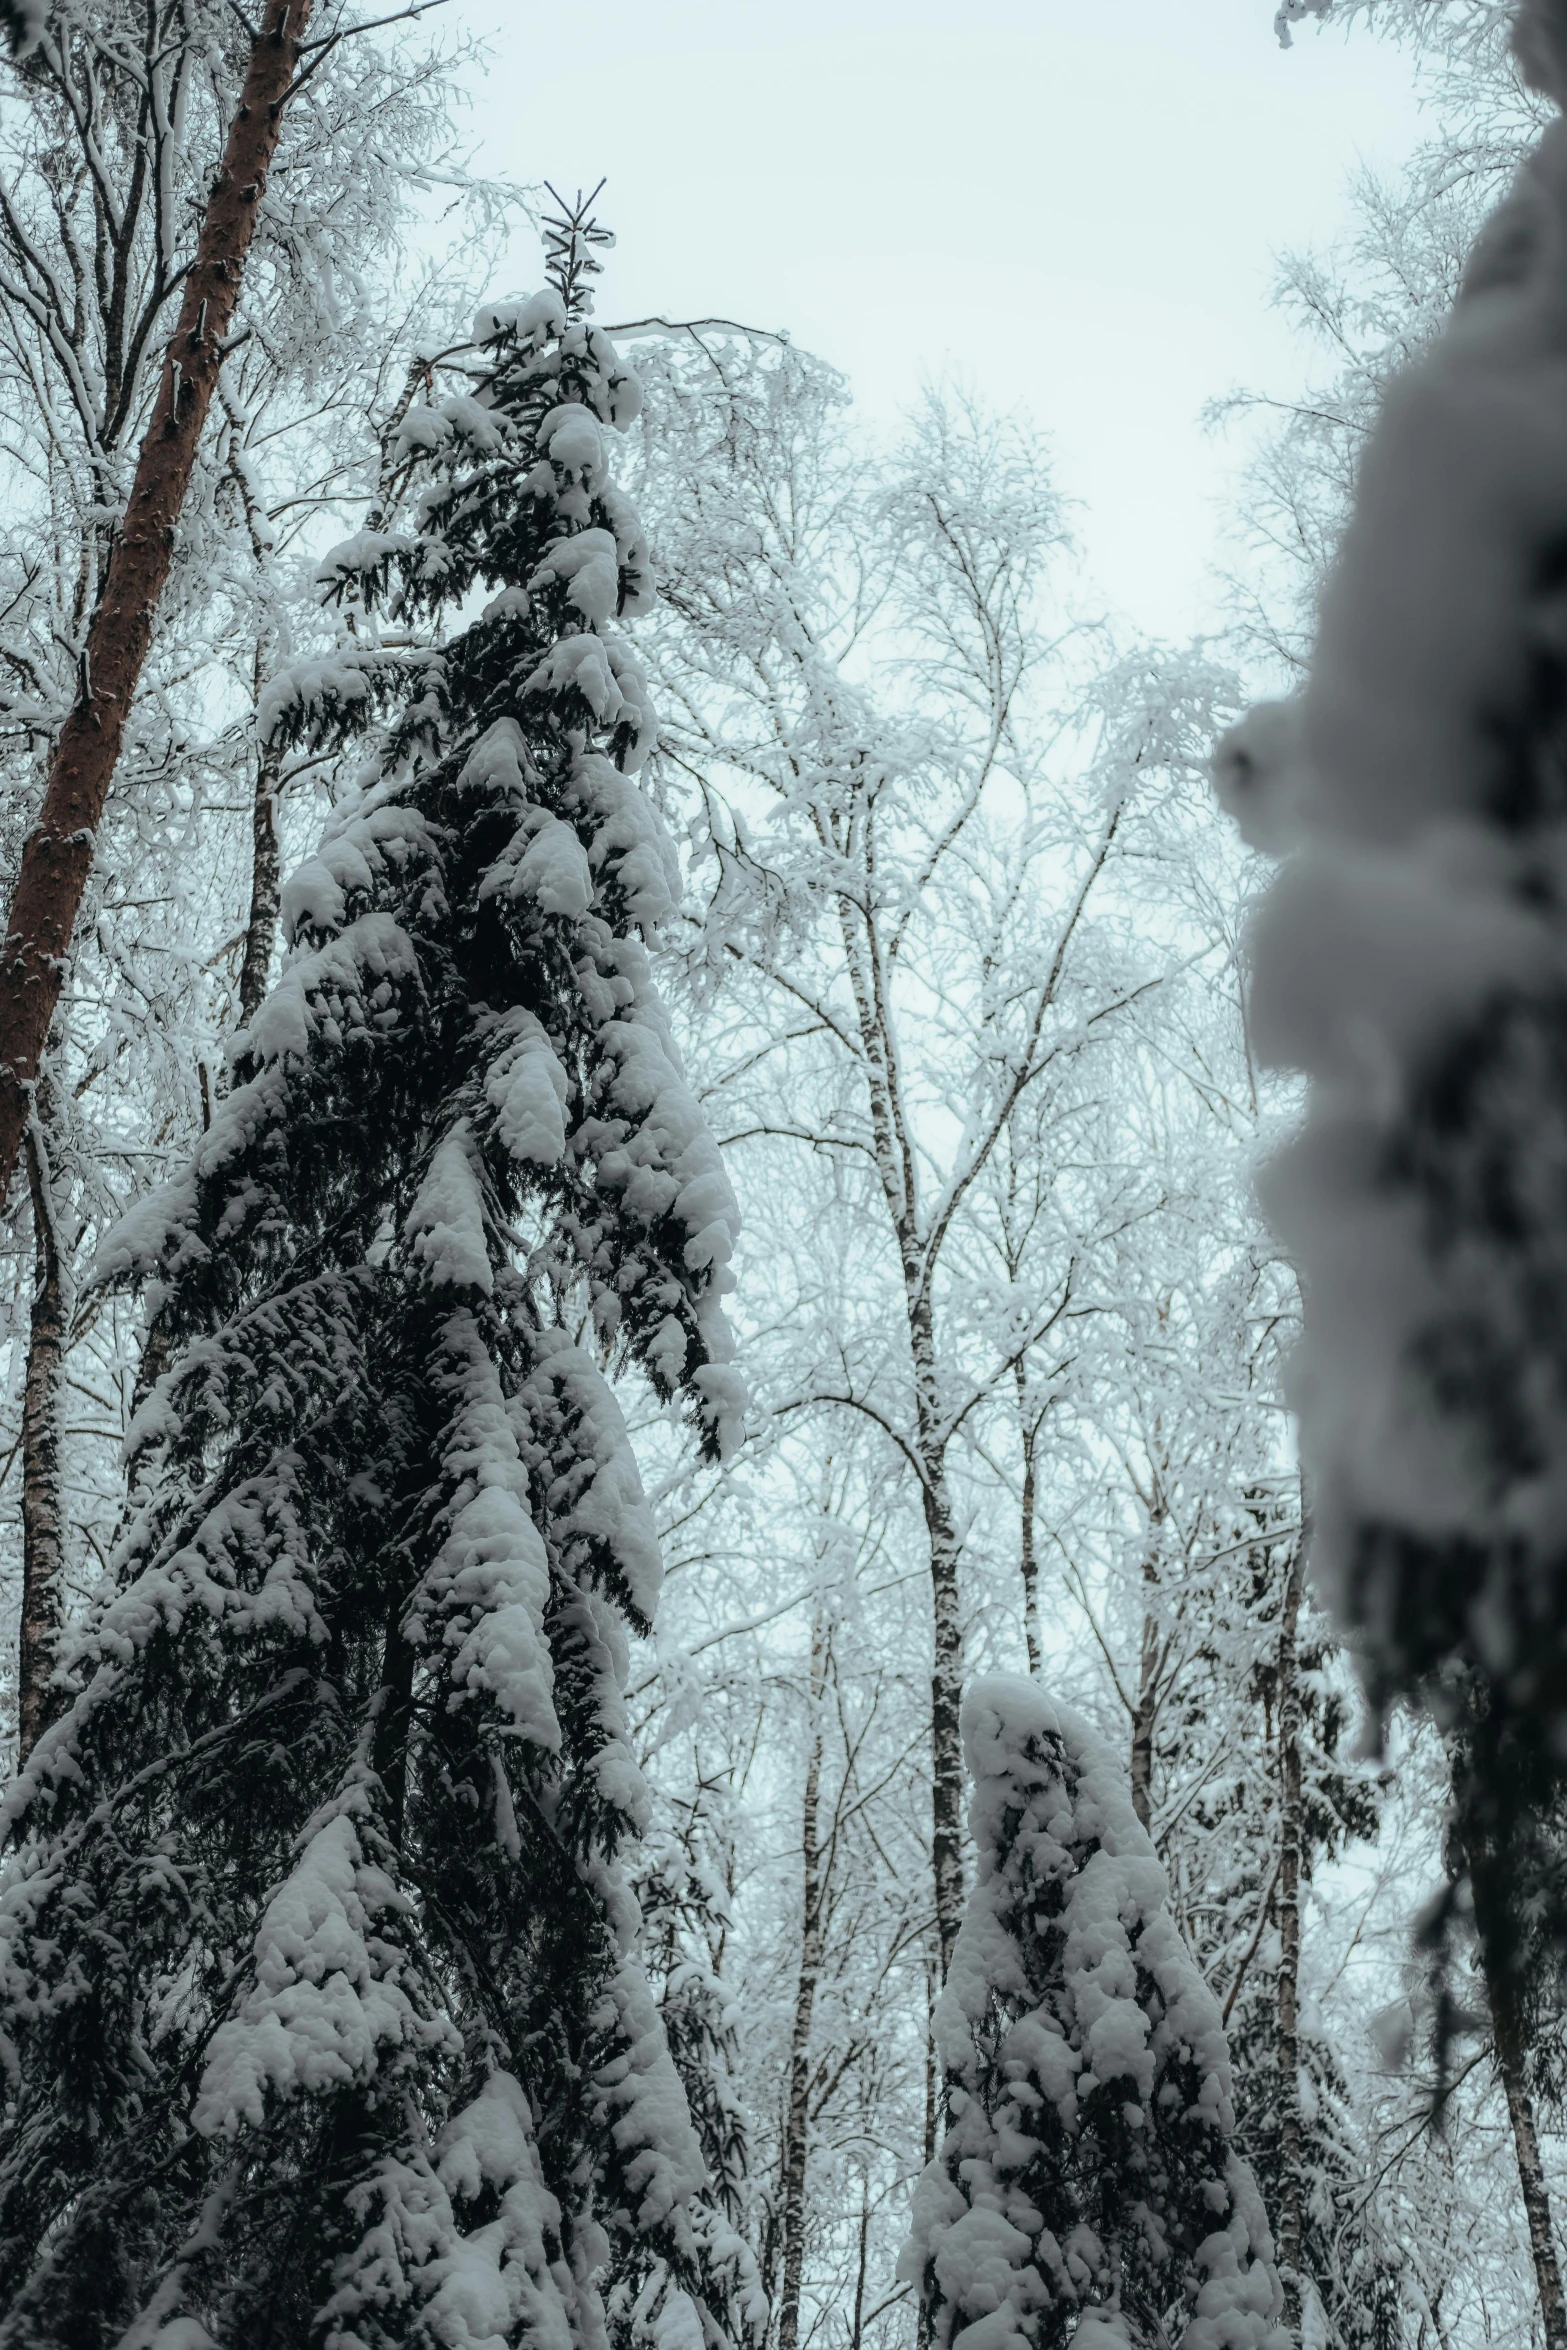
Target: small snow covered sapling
{"type": "Point", "coordinates": [1411, 959]}
{"type": "Point", "coordinates": [323, 2013]}
{"type": "Point", "coordinates": [1089, 2189]}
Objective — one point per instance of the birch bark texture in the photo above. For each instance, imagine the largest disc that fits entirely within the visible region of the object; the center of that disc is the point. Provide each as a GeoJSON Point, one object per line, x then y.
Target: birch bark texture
{"type": "Point", "coordinates": [57, 857]}
{"type": "Point", "coordinates": [797, 2123]}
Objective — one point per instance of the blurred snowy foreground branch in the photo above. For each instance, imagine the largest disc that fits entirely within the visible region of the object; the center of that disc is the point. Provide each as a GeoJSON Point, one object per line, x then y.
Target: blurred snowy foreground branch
{"type": "Point", "coordinates": [1411, 959]}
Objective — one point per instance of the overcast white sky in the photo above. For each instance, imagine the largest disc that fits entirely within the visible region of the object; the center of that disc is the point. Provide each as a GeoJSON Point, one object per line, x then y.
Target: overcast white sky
{"type": "Point", "coordinates": [1072, 202]}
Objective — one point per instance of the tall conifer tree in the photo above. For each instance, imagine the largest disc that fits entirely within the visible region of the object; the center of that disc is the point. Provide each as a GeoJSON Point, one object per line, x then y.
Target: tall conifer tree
{"type": "Point", "coordinates": [323, 2014]}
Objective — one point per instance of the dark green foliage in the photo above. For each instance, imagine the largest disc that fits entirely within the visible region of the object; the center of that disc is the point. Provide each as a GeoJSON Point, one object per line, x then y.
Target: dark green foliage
{"type": "Point", "coordinates": [324, 2013]}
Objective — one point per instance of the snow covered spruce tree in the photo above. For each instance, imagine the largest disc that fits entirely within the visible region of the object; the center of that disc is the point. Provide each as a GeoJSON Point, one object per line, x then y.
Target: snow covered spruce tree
{"type": "Point", "coordinates": [1089, 2189]}
{"type": "Point", "coordinates": [1412, 960]}
{"type": "Point", "coordinates": [324, 2019]}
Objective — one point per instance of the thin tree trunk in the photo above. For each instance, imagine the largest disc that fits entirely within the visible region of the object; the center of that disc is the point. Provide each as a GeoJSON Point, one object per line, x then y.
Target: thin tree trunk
{"type": "Point", "coordinates": [897, 1169]}
{"type": "Point", "coordinates": [798, 2120]}
{"type": "Point", "coordinates": [261, 929]}
{"type": "Point", "coordinates": [265, 874]}
{"type": "Point", "coordinates": [1508, 2038]}
{"type": "Point", "coordinates": [1291, 2189]}
{"type": "Point", "coordinates": [1536, 2202]}
{"type": "Point", "coordinates": [1150, 1670]}
{"type": "Point", "coordinates": [57, 856]}
{"type": "Point", "coordinates": [1029, 1432]}
{"type": "Point", "coordinates": [946, 1683]}
{"type": "Point", "coordinates": [43, 1527]}
{"type": "Point", "coordinates": [946, 1706]}
{"type": "Point", "coordinates": [862, 2264]}
{"type": "Point", "coordinates": [922, 2324]}
{"type": "Point", "coordinates": [1144, 1721]}
{"type": "Point", "coordinates": [932, 2084]}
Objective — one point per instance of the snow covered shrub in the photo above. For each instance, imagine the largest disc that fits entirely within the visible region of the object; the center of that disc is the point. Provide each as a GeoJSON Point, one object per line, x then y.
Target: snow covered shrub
{"type": "Point", "coordinates": [1412, 960]}
{"type": "Point", "coordinates": [1089, 2186]}
{"type": "Point", "coordinates": [322, 2011]}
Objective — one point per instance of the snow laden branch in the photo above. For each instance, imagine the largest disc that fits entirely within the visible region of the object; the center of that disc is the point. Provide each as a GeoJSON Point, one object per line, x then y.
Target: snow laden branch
{"type": "Point", "coordinates": [1411, 959]}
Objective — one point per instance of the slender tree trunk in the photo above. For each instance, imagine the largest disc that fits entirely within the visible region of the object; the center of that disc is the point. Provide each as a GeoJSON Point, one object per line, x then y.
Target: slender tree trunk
{"type": "Point", "coordinates": [265, 875]}
{"type": "Point", "coordinates": [1508, 2038]}
{"type": "Point", "coordinates": [1291, 2189]}
{"type": "Point", "coordinates": [1536, 2202]}
{"type": "Point", "coordinates": [946, 1683]}
{"type": "Point", "coordinates": [43, 1522]}
{"type": "Point", "coordinates": [1029, 1432]}
{"type": "Point", "coordinates": [897, 1169]}
{"type": "Point", "coordinates": [1144, 1721]}
{"type": "Point", "coordinates": [798, 2119]}
{"type": "Point", "coordinates": [861, 2267]}
{"type": "Point", "coordinates": [1150, 1670]}
{"type": "Point", "coordinates": [946, 1706]}
{"type": "Point", "coordinates": [265, 868]}
{"type": "Point", "coordinates": [922, 2325]}
{"type": "Point", "coordinates": [58, 853]}
{"type": "Point", "coordinates": [932, 2083]}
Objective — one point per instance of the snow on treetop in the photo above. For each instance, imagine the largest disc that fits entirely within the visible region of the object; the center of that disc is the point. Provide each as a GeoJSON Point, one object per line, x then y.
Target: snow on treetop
{"type": "Point", "coordinates": [1024, 1750]}
{"type": "Point", "coordinates": [1088, 2189]}
{"type": "Point", "coordinates": [532, 321]}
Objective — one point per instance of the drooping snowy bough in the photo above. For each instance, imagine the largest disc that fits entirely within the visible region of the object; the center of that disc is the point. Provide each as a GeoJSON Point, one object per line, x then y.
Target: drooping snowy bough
{"type": "Point", "coordinates": [322, 2012]}
{"type": "Point", "coordinates": [1412, 961]}
{"type": "Point", "coordinates": [1089, 2189]}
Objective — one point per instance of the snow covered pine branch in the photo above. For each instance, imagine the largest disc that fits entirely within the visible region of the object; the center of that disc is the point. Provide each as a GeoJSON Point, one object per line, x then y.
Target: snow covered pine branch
{"type": "Point", "coordinates": [1412, 960]}
{"type": "Point", "coordinates": [1089, 2190]}
{"type": "Point", "coordinates": [324, 2015]}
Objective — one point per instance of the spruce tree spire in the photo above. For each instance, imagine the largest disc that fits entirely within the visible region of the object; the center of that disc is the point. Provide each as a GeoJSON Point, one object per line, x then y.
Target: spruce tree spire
{"type": "Point", "coordinates": [1089, 2189]}
{"type": "Point", "coordinates": [324, 2018]}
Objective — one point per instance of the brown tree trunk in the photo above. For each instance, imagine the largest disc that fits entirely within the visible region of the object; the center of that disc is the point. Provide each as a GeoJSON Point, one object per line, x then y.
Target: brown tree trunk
{"type": "Point", "coordinates": [797, 2122]}
{"type": "Point", "coordinates": [57, 856]}
{"type": "Point", "coordinates": [43, 1526]}
{"type": "Point", "coordinates": [1288, 1991]}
